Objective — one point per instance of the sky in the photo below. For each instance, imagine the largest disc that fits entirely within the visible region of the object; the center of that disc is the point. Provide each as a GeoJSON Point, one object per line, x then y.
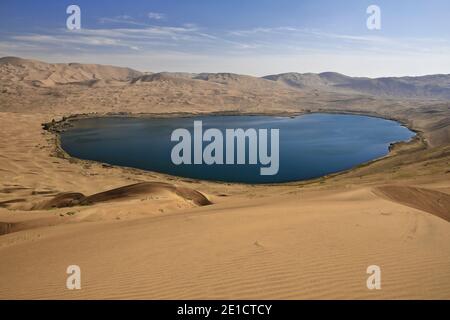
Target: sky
{"type": "Point", "coordinates": [255, 37]}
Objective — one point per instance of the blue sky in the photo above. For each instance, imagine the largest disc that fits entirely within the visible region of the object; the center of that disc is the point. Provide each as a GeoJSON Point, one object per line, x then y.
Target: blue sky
{"type": "Point", "coordinates": [256, 37]}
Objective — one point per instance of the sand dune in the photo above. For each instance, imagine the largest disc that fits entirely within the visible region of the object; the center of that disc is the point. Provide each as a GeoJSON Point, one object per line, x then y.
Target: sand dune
{"type": "Point", "coordinates": [138, 234]}
{"type": "Point", "coordinates": [432, 201]}
{"type": "Point", "coordinates": [278, 247]}
{"type": "Point", "coordinates": [428, 87]}
{"type": "Point", "coordinates": [44, 74]}
{"type": "Point", "coordinates": [71, 199]}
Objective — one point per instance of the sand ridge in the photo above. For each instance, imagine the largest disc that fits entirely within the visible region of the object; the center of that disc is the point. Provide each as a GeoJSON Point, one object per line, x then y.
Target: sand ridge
{"type": "Point", "coordinates": [71, 199]}
{"type": "Point", "coordinates": [432, 201]}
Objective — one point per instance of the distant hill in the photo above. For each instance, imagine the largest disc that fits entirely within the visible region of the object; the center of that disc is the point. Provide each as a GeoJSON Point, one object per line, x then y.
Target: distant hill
{"type": "Point", "coordinates": [49, 74]}
{"type": "Point", "coordinates": [42, 74]}
{"type": "Point", "coordinates": [426, 87]}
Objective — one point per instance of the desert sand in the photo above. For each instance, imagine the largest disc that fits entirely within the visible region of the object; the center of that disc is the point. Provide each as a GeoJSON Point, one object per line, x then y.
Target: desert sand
{"type": "Point", "coordinates": [145, 235]}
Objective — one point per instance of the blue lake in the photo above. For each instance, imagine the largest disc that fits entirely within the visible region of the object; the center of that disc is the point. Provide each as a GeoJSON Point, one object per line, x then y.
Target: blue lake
{"type": "Point", "coordinates": [310, 145]}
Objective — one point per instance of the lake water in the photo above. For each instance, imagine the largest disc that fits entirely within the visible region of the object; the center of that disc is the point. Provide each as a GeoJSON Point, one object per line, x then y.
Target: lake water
{"type": "Point", "coordinates": [310, 145]}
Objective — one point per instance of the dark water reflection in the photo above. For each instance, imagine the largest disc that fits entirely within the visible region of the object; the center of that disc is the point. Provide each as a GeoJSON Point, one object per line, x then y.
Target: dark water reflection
{"type": "Point", "coordinates": [310, 145]}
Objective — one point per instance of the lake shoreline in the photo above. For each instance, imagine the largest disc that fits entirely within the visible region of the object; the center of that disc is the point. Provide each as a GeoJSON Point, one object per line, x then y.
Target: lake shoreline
{"type": "Point", "coordinates": [56, 127]}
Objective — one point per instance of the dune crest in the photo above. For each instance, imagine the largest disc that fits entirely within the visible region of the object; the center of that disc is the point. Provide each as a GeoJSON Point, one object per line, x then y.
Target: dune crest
{"type": "Point", "coordinates": [71, 199]}
{"type": "Point", "coordinates": [431, 201]}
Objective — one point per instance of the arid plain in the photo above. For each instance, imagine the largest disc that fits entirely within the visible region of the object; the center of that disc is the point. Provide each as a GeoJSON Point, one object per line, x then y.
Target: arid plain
{"type": "Point", "coordinates": [138, 234]}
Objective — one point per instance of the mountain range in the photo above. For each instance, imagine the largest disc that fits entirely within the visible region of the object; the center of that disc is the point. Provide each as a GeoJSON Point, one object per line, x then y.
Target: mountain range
{"type": "Point", "coordinates": [42, 74]}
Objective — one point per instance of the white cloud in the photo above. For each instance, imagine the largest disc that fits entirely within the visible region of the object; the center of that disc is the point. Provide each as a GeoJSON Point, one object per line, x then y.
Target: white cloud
{"type": "Point", "coordinates": [123, 19]}
{"type": "Point", "coordinates": [156, 16]}
{"type": "Point", "coordinates": [256, 51]}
